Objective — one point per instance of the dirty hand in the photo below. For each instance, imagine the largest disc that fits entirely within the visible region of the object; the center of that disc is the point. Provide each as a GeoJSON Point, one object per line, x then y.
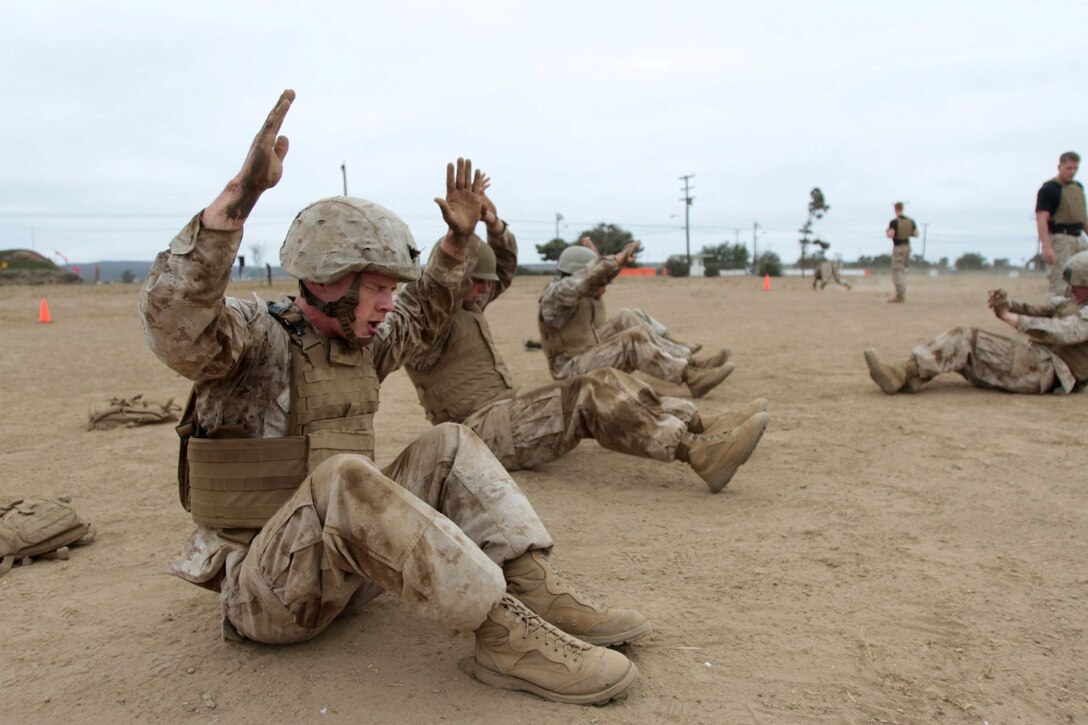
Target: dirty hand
{"type": "Point", "coordinates": [463, 206]}
{"type": "Point", "coordinates": [1048, 254]}
{"type": "Point", "coordinates": [998, 302]}
{"type": "Point", "coordinates": [627, 256]}
{"type": "Point", "coordinates": [262, 170]}
{"type": "Point", "coordinates": [588, 244]}
{"type": "Point", "coordinates": [489, 214]}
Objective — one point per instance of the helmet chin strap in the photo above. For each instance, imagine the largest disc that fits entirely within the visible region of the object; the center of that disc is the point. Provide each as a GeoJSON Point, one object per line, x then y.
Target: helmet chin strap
{"type": "Point", "coordinates": [342, 309]}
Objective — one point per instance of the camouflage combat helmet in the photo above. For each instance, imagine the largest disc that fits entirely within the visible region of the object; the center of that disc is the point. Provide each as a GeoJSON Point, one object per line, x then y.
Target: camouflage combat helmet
{"type": "Point", "coordinates": [485, 268]}
{"type": "Point", "coordinates": [574, 259]}
{"type": "Point", "coordinates": [339, 235]}
{"type": "Point", "coordinates": [343, 235]}
{"type": "Point", "coordinates": [1075, 272]}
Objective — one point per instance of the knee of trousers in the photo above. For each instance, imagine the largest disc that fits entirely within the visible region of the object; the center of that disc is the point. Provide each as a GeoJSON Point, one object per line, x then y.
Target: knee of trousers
{"type": "Point", "coordinates": [352, 470]}
{"type": "Point", "coordinates": [448, 438]}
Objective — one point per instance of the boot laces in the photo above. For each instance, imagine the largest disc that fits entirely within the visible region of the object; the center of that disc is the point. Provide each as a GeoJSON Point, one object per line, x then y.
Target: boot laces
{"type": "Point", "coordinates": [559, 641]}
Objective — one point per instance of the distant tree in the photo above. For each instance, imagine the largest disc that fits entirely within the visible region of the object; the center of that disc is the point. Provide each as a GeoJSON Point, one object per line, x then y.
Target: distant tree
{"type": "Point", "coordinates": [1002, 263]}
{"type": "Point", "coordinates": [550, 252]}
{"type": "Point", "coordinates": [943, 262]}
{"type": "Point", "coordinates": [609, 238]}
{"type": "Point", "coordinates": [971, 261]}
{"type": "Point", "coordinates": [128, 277]}
{"type": "Point", "coordinates": [813, 259]}
{"type": "Point", "coordinates": [1037, 263]}
{"type": "Point", "coordinates": [769, 263]}
{"type": "Point", "coordinates": [725, 256]}
{"type": "Point", "coordinates": [878, 262]}
{"type": "Point", "coordinates": [817, 207]}
{"type": "Point", "coordinates": [677, 266]}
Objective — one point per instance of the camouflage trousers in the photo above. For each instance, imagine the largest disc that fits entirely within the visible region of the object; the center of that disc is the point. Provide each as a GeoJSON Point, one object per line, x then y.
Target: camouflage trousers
{"type": "Point", "coordinates": [432, 528]}
{"type": "Point", "coordinates": [627, 319]}
{"type": "Point", "coordinates": [825, 273]}
{"type": "Point", "coordinates": [987, 360]}
{"type": "Point", "coordinates": [620, 412]}
{"type": "Point", "coordinates": [1065, 246]}
{"type": "Point", "coordinates": [900, 261]}
{"type": "Point", "coordinates": [630, 350]}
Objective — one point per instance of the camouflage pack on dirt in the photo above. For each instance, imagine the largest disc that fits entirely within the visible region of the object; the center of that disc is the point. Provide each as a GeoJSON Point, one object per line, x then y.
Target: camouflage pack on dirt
{"type": "Point", "coordinates": [128, 413]}
{"type": "Point", "coordinates": [39, 527]}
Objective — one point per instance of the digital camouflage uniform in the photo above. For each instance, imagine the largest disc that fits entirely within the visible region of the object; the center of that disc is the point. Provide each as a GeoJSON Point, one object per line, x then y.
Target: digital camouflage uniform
{"type": "Point", "coordinates": [464, 379]}
{"type": "Point", "coordinates": [569, 319]}
{"type": "Point", "coordinates": [1055, 359]}
{"type": "Point", "coordinates": [827, 272]}
{"type": "Point", "coordinates": [434, 526]}
{"type": "Point", "coordinates": [626, 319]}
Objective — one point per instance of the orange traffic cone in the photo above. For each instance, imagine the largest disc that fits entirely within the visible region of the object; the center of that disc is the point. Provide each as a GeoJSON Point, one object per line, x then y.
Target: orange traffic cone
{"type": "Point", "coordinates": [43, 312]}
{"type": "Point", "coordinates": [766, 283]}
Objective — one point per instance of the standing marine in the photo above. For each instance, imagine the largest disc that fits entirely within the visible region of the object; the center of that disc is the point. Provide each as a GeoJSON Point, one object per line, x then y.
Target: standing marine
{"type": "Point", "coordinates": [900, 230]}
{"type": "Point", "coordinates": [1060, 218]}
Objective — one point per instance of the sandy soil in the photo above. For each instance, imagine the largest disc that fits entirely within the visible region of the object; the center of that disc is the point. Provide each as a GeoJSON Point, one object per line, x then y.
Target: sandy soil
{"type": "Point", "coordinates": [879, 559]}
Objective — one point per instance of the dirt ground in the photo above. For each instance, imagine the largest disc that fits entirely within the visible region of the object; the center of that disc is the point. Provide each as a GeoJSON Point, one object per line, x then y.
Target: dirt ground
{"type": "Point", "coordinates": [879, 559]}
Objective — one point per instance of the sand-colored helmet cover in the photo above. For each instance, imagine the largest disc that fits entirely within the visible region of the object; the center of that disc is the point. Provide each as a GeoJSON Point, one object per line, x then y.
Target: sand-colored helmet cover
{"type": "Point", "coordinates": [574, 259]}
{"type": "Point", "coordinates": [339, 235]}
{"type": "Point", "coordinates": [1076, 270]}
{"type": "Point", "coordinates": [486, 266]}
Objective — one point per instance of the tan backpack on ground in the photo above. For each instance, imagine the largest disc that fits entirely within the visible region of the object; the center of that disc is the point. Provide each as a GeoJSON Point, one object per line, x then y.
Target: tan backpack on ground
{"type": "Point", "coordinates": [119, 412]}
{"type": "Point", "coordinates": [39, 527]}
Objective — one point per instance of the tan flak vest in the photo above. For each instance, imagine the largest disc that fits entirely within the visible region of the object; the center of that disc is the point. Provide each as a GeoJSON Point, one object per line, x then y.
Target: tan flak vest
{"type": "Point", "coordinates": [469, 374]}
{"type": "Point", "coordinates": [1071, 208]}
{"type": "Point", "coordinates": [228, 481]}
{"type": "Point", "coordinates": [579, 335]}
{"type": "Point", "coordinates": [904, 228]}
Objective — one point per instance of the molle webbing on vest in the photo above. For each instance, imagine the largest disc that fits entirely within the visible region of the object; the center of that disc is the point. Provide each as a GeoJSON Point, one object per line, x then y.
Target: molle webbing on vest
{"type": "Point", "coordinates": [1071, 208]}
{"type": "Point", "coordinates": [579, 335]}
{"type": "Point", "coordinates": [468, 375]}
{"type": "Point", "coordinates": [241, 482]}
{"type": "Point", "coordinates": [228, 481]}
{"type": "Point", "coordinates": [904, 228]}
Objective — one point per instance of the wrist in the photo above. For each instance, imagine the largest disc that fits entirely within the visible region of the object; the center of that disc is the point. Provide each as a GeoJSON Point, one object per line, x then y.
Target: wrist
{"type": "Point", "coordinates": [496, 228]}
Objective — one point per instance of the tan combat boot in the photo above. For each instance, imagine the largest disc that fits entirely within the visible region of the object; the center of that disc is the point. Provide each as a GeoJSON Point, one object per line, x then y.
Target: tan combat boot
{"type": "Point", "coordinates": [892, 379]}
{"type": "Point", "coordinates": [701, 381]}
{"type": "Point", "coordinates": [716, 458]}
{"type": "Point", "coordinates": [727, 422]}
{"type": "Point", "coordinates": [517, 650]}
{"type": "Point", "coordinates": [898, 299]}
{"type": "Point", "coordinates": [532, 579]}
{"type": "Point", "coordinates": [711, 359]}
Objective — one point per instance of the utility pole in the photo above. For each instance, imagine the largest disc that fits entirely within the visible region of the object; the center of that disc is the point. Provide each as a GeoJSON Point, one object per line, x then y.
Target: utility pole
{"type": "Point", "coordinates": [925, 229]}
{"type": "Point", "coordinates": [558, 218]}
{"type": "Point", "coordinates": [755, 247]}
{"type": "Point", "coordinates": [344, 171]}
{"type": "Point", "coordinates": [688, 198]}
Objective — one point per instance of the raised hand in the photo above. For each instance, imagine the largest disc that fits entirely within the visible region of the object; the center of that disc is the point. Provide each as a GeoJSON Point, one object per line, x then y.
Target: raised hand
{"type": "Point", "coordinates": [463, 206]}
{"type": "Point", "coordinates": [627, 256]}
{"type": "Point", "coordinates": [261, 170]}
{"type": "Point", "coordinates": [587, 242]}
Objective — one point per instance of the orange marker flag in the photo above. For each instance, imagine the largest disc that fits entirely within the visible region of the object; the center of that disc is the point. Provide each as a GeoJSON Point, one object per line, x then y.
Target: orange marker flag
{"type": "Point", "coordinates": [766, 283]}
{"type": "Point", "coordinates": [43, 312]}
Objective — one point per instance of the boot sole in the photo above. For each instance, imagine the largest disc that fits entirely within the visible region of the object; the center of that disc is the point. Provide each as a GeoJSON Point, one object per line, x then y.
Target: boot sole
{"type": "Point", "coordinates": [616, 640]}
{"type": "Point", "coordinates": [718, 482]}
{"type": "Point", "coordinates": [618, 691]}
{"type": "Point", "coordinates": [882, 381]}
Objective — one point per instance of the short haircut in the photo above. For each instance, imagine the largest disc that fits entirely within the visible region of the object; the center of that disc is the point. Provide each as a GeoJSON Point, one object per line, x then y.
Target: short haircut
{"type": "Point", "coordinates": [1069, 156]}
{"type": "Point", "coordinates": [899, 206]}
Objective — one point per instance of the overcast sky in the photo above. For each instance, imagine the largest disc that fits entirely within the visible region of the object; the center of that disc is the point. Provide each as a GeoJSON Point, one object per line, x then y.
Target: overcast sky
{"type": "Point", "coordinates": [121, 120]}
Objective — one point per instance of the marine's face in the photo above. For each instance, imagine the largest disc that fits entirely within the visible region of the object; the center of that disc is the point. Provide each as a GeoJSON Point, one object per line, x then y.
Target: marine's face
{"type": "Point", "coordinates": [1067, 170]}
{"type": "Point", "coordinates": [375, 302]}
{"type": "Point", "coordinates": [480, 288]}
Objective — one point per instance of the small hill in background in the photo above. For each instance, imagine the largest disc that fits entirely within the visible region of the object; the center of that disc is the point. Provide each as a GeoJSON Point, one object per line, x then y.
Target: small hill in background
{"type": "Point", "coordinates": [22, 266]}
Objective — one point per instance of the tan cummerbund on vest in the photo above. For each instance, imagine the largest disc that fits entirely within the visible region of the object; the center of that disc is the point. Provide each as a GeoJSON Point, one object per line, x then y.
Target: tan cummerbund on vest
{"type": "Point", "coordinates": [240, 482]}
{"type": "Point", "coordinates": [904, 228]}
{"type": "Point", "coordinates": [1071, 207]}
{"type": "Point", "coordinates": [468, 375]}
{"type": "Point", "coordinates": [579, 335]}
